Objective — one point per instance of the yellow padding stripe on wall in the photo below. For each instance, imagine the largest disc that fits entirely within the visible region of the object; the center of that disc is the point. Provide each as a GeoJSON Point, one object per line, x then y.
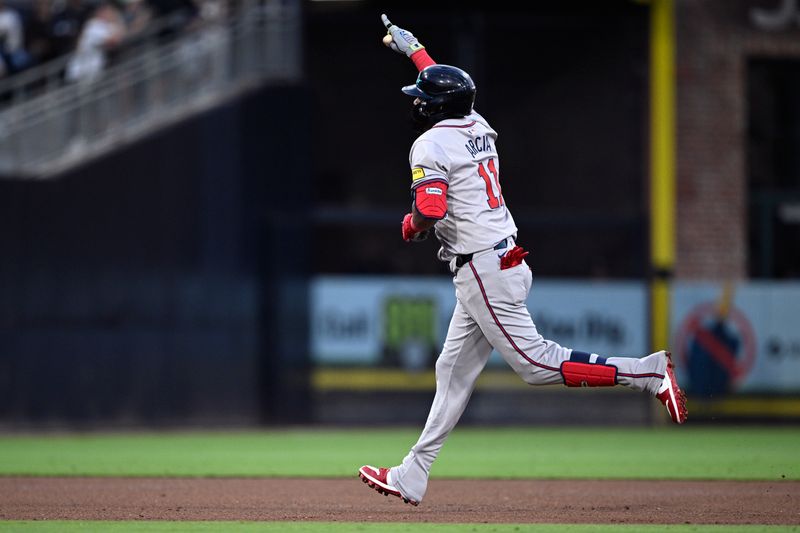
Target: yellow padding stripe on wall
{"type": "Point", "coordinates": [393, 379]}
{"type": "Point", "coordinates": [744, 406]}
{"type": "Point", "coordinates": [376, 379]}
{"type": "Point", "coordinates": [371, 379]}
{"type": "Point", "coordinates": [396, 380]}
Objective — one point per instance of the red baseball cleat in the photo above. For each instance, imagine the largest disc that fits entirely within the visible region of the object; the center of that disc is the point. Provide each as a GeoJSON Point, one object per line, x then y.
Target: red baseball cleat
{"type": "Point", "coordinates": [378, 479]}
{"type": "Point", "coordinates": [671, 395]}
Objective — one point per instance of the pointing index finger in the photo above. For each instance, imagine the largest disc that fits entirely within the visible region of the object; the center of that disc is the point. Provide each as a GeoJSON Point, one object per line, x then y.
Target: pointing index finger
{"type": "Point", "coordinates": [386, 22]}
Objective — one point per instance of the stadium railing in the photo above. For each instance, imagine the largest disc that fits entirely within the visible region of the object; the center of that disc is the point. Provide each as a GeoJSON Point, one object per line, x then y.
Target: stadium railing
{"type": "Point", "coordinates": [48, 125]}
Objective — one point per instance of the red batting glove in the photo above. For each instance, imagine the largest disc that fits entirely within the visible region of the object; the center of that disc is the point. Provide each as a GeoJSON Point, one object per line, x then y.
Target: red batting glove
{"type": "Point", "coordinates": [410, 232]}
{"type": "Point", "coordinates": [513, 257]}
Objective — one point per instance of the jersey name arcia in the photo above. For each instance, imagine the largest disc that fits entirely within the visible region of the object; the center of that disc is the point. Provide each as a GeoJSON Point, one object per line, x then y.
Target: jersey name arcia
{"type": "Point", "coordinates": [461, 152]}
{"type": "Point", "coordinates": [479, 144]}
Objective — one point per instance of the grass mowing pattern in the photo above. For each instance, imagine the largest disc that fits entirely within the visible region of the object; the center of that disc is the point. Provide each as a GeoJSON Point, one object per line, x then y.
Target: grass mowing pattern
{"type": "Point", "coordinates": [667, 453]}
{"type": "Point", "coordinates": [341, 527]}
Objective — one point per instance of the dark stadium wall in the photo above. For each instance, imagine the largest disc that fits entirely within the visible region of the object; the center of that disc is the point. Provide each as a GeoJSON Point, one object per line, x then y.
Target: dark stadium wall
{"type": "Point", "coordinates": [143, 288]}
{"type": "Point", "coordinates": [563, 83]}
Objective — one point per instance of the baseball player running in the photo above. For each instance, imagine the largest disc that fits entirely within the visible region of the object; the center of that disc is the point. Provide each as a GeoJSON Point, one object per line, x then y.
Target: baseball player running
{"type": "Point", "coordinates": [455, 172]}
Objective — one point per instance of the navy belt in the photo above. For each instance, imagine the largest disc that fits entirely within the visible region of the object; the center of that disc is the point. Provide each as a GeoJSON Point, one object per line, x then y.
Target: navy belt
{"type": "Point", "coordinates": [463, 259]}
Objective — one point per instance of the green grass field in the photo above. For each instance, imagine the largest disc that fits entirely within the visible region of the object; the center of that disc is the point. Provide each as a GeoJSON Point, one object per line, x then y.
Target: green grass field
{"type": "Point", "coordinates": [674, 453]}
{"type": "Point", "coordinates": [663, 453]}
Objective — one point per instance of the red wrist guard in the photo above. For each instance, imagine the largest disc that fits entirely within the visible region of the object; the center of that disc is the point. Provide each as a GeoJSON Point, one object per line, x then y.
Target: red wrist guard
{"type": "Point", "coordinates": [421, 59]}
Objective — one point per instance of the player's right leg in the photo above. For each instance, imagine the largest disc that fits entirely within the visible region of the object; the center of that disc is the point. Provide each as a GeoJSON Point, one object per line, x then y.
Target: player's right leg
{"type": "Point", "coordinates": [463, 357]}
{"type": "Point", "coordinates": [496, 299]}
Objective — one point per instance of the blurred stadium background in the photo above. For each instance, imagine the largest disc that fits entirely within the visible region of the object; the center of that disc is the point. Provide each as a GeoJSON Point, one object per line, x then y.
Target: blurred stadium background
{"type": "Point", "coordinates": [200, 204]}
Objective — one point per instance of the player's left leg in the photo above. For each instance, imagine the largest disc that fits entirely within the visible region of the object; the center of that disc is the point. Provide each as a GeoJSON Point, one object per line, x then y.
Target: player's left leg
{"type": "Point", "coordinates": [463, 357]}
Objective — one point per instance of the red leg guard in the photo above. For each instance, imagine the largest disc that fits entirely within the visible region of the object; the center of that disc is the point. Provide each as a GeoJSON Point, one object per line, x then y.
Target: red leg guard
{"type": "Point", "coordinates": [588, 375]}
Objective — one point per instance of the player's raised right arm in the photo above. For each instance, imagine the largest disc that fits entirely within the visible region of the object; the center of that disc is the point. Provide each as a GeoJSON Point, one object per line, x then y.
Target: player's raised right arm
{"type": "Point", "coordinates": [404, 42]}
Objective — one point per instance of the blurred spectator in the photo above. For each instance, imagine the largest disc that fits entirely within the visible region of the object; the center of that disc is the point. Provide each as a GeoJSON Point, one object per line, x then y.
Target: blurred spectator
{"type": "Point", "coordinates": [66, 26]}
{"type": "Point", "coordinates": [103, 32]}
{"type": "Point", "coordinates": [213, 10]}
{"type": "Point", "coordinates": [38, 32]}
{"type": "Point", "coordinates": [94, 30]}
{"type": "Point", "coordinates": [13, 56]}
{"type": "Point", "coordinates": [137, 14]}
{"type": "Point", "coordinates": [204, 51]}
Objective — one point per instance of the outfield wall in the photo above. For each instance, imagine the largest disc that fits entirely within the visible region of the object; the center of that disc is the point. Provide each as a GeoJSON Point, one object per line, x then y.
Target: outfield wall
{"type": "Point", "coordinates": [381, 335]}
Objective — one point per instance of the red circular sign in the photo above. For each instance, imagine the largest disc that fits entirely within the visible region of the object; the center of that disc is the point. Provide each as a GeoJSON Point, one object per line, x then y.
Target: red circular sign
{"type": "Point", "coordinates": [696, 327]}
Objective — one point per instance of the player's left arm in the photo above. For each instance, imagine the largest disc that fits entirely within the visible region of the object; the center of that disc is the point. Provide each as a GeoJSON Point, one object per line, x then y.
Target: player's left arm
{"type": "Point", "coordinates": [428, 208]}
{"type": "Point", "coordinates": [403, 42]}
{"type": "Point", "coordinates": [429, 184]}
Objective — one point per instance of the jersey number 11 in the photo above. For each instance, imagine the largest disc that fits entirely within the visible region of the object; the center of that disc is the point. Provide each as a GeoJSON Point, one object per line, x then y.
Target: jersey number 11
{"type": "Point", "coordinates": [494, 200]}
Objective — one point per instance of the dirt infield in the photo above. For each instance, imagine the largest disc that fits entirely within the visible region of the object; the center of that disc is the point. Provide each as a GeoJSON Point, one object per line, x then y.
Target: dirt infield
{"type": "Point", "coordinates": [535, 501]}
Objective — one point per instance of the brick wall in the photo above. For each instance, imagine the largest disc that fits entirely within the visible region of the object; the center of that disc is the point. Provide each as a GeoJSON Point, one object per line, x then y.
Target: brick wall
{"type": "Point", "coordinates": [715, 38]}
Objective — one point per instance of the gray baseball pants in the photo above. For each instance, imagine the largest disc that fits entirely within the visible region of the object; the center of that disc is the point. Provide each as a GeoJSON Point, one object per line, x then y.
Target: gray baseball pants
{"type": "Point", "coordinates": [490, 313]}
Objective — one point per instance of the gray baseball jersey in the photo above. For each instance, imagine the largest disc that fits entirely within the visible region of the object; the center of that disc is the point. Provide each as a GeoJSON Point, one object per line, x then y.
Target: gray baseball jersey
{"type": "Point", "coordinates": [461, 152]}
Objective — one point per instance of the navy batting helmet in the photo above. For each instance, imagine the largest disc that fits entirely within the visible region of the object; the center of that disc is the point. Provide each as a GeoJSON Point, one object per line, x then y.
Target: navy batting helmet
{"type": "Point", "coordinates": [444, 92]}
